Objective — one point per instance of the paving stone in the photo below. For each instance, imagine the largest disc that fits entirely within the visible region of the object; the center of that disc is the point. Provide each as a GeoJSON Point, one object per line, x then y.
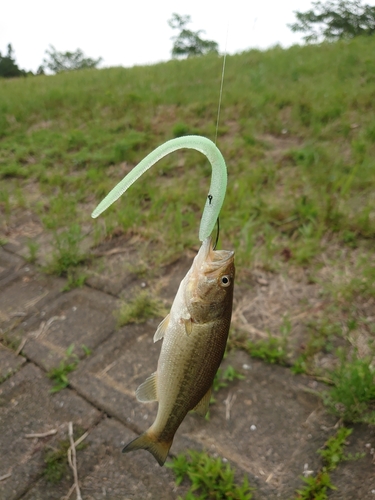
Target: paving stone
{"type": "Point", "coordinates": [24, 293]}
{"type": "Point", "coordinates": [80, 317]}
{"type": "Point", "coordinates": [110, 377]}
{"type": "Point", "coordinates": [9, 362]}
{"type": "Point", "coordinates": [273, 304]}
{"type": "Point", "coordinates": [27, 227]}
{"type": "Point", "coordinates": [9, 263]}
{"type": "Point", "coordinates": [172, 275]}
{"type": "Point", "coordinates": [27, 407]}
{"type": "Point", "coordinates": [118, 267]}
{"type": "Point", "coordinates": [121, 269]}
{"type": "Point", "coordinates": [104, 472]}
{"type": "Point", "coordinates": [287, 420]}
{"type": "Point", "coordinates": [21, 229]}
{"type": "Point", "coordinates": [268, 426]}
{"type": "Point", "coordinates": [275, 426]}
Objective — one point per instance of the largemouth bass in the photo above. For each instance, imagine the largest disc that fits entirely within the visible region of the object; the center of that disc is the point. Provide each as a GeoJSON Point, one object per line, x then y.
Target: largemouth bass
{"type": "Point", "coordinates": [194, 336]}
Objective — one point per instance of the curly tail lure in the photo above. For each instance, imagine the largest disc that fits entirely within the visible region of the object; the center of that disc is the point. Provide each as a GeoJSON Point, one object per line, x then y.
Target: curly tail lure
{"type": "Point", "coordinates": [218, 185]}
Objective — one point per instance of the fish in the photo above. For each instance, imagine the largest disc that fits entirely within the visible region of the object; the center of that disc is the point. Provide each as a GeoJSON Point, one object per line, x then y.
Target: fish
{"type": "Point", "coordinates": [194, 334]}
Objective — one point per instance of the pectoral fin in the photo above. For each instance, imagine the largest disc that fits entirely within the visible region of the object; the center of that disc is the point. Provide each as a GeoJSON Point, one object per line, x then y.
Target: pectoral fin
{"type": "Point", "coordinates": [202, 406]}
{"type": "Point", "coordinates": [148, 390]}
{"type": "Point", "coordinates": [159, 334]}
{"type": "Point", "coordinates": [188, 326]}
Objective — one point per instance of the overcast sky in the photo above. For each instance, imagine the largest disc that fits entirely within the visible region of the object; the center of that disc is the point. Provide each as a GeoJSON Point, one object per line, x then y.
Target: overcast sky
{"type": "Point", "coordinates": [135, 32]}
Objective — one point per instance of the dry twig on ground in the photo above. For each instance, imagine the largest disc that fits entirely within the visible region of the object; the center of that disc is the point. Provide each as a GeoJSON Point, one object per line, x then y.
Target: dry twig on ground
{"type": "Point", "coordinates": [72, 459]}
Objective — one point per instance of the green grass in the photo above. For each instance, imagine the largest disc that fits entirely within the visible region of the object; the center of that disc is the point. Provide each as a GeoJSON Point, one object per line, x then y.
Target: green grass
{"type": "Point", "coordinates": [222, 379]}
{"type": "Point", "coordinates": [56, 459]}
{"type": "Point", "coordinates": [59, 375]}
{"type": "Point", "coordinates": [33, 248]}
{"type": "Point", "coordinates": [352, 396]}
{"type": "Point", "coordinates": [56, 463]}
{"type": "Point", "coordinates": [7, 375]}
{"type": "Point", "coordinates": [317, 486]}
{"type": "Point", "coordinates": [139, 309]}
{"type": "Point", "coordinates": [68, 253]}
{"type": "Point", "coordinates": [273, 350]}
{"type": "Point", "coordinates": [71, 144]}
{"type": "Point", "coordinates": [209, 477]}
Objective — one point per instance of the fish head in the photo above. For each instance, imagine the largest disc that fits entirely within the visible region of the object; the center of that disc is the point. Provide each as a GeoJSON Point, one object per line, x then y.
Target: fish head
{"type": "Point", "coordinates": [210, 288]}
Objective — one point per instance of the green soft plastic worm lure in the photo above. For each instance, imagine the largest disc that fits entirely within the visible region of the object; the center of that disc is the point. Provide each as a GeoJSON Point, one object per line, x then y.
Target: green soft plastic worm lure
{"type": "Point", "coordinates": [218, 185]}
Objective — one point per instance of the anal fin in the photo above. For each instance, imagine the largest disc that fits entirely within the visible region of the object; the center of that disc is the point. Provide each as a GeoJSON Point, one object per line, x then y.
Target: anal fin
{"type": "Point", "coordinates": [202, 406]}
{"type": "Point", "coordinates": [148, 390]}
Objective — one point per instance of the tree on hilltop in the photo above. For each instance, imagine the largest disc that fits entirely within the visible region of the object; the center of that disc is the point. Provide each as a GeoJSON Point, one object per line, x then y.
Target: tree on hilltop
{"type": "Point", "coordinates": [334, 20]}
{"type": "Point", "coordinates": [189, 43]}
{"type": "Point", "coordinates": [8, 66]}
{"type": "Point", "coordinates": [68, 61]}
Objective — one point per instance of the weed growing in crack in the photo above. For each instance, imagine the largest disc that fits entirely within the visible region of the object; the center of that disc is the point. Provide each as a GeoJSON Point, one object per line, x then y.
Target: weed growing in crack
{"type": "Point", "coordinates": [56, 459]}
{"type": "Point", "coordinates": [68, 253]}
{"type": "Point", "coordinates": [59, 375]}
{"type": "Point", "coordinates": [75, 279]}
{"type": "Point", "coordinates": [139, 309]}
{"type": "Point", "coordinates": [352, 396]}
{"type": "Point", "coordinates": [56, 462]}
{"type": "Point", "coordinates": [7, 375]}
{"type": "Point", "coordinates": [271, 350]}
{"type": "Point", "coordinates": [87, 351]}
{"type": "Point", "coordinates": [317, 487]}
{"type": "Point", "coordinates": [333, 451]}
{"type": "Point", "coordinates": [209, 477]}
{"type": "Point", "coordinates": [9, 341]}
{"type": "Point", "coordinates": [323, 333]}
{"type": "Point", "coordinates": [224, 378]}
{"type": "Point", "coordinates": [33, 248]}
{"type": "Point", "coordinates": [274, 349]}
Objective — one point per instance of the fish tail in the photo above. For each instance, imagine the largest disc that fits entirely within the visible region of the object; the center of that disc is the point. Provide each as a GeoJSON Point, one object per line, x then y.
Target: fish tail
{"type": "Point", "coordinates": [149, 442]}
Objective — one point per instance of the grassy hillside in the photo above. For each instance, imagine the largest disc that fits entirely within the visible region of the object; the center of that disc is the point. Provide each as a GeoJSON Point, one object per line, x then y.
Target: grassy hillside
{"type": "Point", "coordinates": [298, 133]}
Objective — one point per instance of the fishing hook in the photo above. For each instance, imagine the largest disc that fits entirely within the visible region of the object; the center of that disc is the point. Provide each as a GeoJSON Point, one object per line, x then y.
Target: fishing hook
{"type": "Point", "coordinates": [217, 234]}
{"type": "Point", "coordinates": [218, 185]}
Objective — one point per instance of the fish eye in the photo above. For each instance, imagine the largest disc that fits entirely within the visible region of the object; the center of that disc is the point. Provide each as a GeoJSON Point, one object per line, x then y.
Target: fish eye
{"type": "Point", "coordinates": [225, 280]}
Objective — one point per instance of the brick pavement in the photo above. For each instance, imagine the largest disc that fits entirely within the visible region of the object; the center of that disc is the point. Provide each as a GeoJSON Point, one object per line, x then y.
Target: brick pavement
{"type": "Point", "coordinates": [268, 425]}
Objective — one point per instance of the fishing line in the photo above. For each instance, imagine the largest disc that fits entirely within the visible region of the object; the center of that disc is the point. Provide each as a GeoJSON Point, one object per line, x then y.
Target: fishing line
{"type": "Point", "coordinates": [218, 118]}
{"type": "Point", "coordinates": [221, 86]}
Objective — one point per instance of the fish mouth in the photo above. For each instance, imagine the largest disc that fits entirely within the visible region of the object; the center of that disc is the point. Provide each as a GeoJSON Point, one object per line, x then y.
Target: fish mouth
{"type": "Point", "coordinates": [210, 260]}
